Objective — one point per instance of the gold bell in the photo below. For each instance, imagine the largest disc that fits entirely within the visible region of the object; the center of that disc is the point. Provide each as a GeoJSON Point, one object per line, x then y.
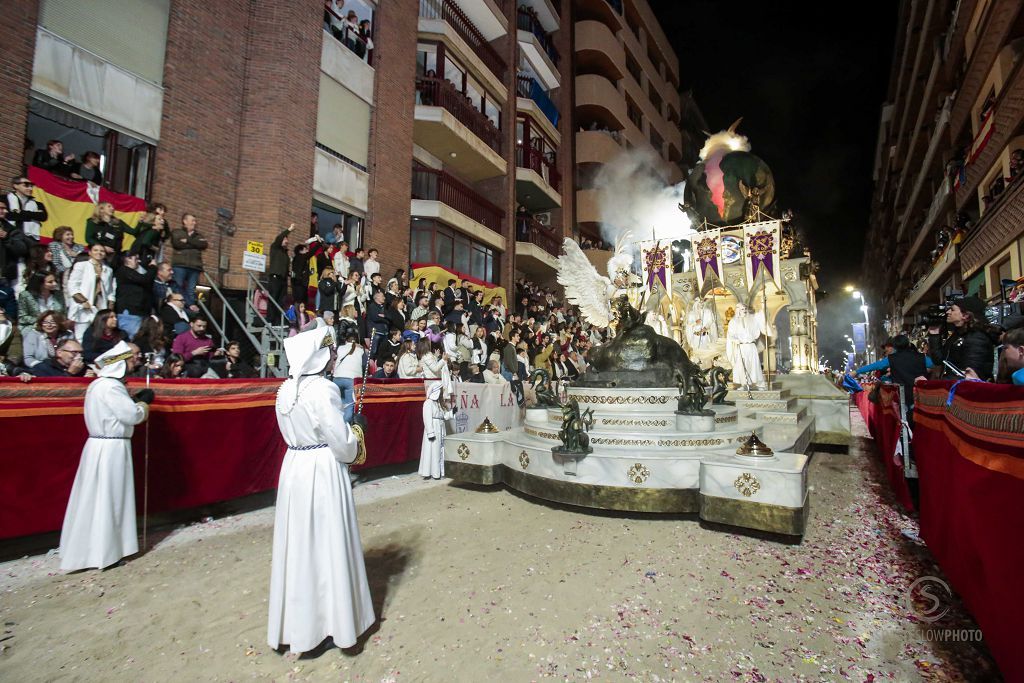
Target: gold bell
{"type": "Point", "coordinates": [755, 447]}
{"type": "Point", "coordinates": [487, 427]}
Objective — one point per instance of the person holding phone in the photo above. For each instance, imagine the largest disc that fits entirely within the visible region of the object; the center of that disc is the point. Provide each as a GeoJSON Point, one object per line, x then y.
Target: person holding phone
{"type": "Point", "coordinates": [969, 347]}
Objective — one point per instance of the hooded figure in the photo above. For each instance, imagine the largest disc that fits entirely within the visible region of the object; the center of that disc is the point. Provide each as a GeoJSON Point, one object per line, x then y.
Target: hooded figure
{"type": "Point", "coordinates": [318, 586]}
{"type": "Point", "coordinates": [741, 346]}
{"type": "Point", "coordinates": [434, 430]}
{"type": "Point", "coordinates": [99, 524]}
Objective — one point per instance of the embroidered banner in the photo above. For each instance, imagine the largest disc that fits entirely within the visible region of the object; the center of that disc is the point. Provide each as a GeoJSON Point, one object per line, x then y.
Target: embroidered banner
{"type": "Point", "coordinates": [761, 252]}
{"type": "Point", "coordinates": [709, 256]}
{"type": "Point", "coordinates": [656, 262]}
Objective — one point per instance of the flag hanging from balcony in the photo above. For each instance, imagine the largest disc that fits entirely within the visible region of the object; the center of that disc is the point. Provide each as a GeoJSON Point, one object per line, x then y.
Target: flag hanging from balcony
{"type": "Point", "coordinates": [72, 202]}
{"type": "Point", "coordinates": [656, 261]}
{"type": "Point", "coordinates": [981, 139]}
{"type": "Point", "coordinates": [440, 275]}
{"type": "Point", "coordinates": [709, 256]}
{"type": "Point", "coordinates": [761, 252]}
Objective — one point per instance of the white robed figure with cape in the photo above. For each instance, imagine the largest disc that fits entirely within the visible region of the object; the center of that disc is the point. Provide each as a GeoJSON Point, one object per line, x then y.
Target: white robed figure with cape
{"type": "Point", "coordinates": [434, 431]}
{"type": "Point", "coordinates": [741, 346]}
{"type": "Point", "coordinates": [99, 524]}
{"type": "Point", "coordinates": [318, 586]}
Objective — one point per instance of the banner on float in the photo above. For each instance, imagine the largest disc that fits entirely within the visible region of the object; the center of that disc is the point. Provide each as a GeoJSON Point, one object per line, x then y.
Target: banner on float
{"type": "Point", "coordinates": [860, 337]}
{"type": "Point", "coordinates": [708, 251]}
{"type": "Point", "coordinates": [479, 401]}
{"type": "Point", "coordinates": [440, 275]}
{"type": "Point", "coordinates": [761, 253]}
{"type": "Point", "coordinates": [656, 262]}
{"type": "Point", "coordinates": [72, 203]}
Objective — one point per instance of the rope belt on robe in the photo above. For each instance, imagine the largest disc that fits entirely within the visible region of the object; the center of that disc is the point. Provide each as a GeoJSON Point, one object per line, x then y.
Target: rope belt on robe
{"type": "Point", "coordinates": [308, 448]}
{"type": "Point", "coordinates": [125, 438]}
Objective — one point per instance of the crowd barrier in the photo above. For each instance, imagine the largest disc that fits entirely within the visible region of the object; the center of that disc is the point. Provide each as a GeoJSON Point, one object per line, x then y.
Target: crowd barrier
{"type": "Point", "coordinates": [884, 421]}
{"type": "Point", "coordinates": [970, 461]}
{"type": "Point", "coordinates": [209, 441]}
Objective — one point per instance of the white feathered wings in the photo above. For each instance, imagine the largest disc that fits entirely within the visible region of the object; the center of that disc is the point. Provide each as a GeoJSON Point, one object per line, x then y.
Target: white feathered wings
{"type": "Point", "coordinates": [587, 288]}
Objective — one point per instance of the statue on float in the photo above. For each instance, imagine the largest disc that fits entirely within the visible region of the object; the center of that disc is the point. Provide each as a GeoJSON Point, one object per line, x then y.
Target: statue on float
{"type": "Point", "coordinates": [741, 346]}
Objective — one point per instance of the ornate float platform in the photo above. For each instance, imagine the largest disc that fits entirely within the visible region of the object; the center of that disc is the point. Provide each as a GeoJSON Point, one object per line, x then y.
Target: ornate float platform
{"type": "Point", "coordinates": [647, 458]}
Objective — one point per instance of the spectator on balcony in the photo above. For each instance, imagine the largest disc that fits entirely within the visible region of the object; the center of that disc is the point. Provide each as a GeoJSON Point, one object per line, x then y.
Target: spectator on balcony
{"type": "Point", "coordinates": [174, 315]}
{"type": "Point", "coordinates": [40, 341]}
{"type": "Point", "coordinates": [1016, 164]}
{"type": "Point", "coordinates": [88, 170]}
{"type": "Point", "coordinates": [102, 335]}
{"type": "Point", "coordinates": [23, 210]}
{"type": "Point", "coordinates": [522, 224]}
{"type": "Point", "coordinates": [134, 293]}
{"type": "Point", "coordinates": [91, 287]}
{"type": "Point", "coordinates": [41, 294]}
{"type": "Point", "coordinates": [67, 361]}
{"type": "Point", "coordinates": [187, 260]}
{"type": "Point", "coordinates": [163, 283]}
{"type": "Point", "coordinates": [365, 33]}
{"type": "Point", "coordinates": [54, 160]}
{"type": "Point", "coordinates": [335, 15]}
{"type": "Point", "coordinates": [64, 250]}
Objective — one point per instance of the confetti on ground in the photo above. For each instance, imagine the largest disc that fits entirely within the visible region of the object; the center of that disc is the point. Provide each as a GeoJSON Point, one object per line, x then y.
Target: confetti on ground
{"type": "Point", "coordinates": [470, 582]}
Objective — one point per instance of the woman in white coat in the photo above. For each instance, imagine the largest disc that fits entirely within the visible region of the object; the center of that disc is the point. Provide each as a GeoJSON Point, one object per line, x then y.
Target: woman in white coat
{"type": "Point", "coordinates": [318, 586]}
{"type": "Point", "coordinates": [434, 431]}
{"type": "Point", "coordinates": [91, 287]}
{"type": "Point", "coordinates": [99, 524]}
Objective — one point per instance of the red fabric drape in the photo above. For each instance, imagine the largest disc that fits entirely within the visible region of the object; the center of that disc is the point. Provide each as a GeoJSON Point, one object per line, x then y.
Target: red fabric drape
{"type": "Point", "coordinates": [883, 421]}
{"type": "Point", "coordinates": [970, 461]}
{"type": "Point", "coordinates": [209, 441]}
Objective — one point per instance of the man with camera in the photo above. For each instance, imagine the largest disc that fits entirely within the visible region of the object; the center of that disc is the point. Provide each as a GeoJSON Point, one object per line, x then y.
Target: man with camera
{"type": "Point", "coordinates": [968, 346]}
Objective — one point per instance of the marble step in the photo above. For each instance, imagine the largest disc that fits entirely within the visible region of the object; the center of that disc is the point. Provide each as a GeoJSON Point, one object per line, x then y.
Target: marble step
{"type": "Point", "coordinates": [781, 417]}
{"type": "Point", "coordinates": [750, 406]}
{"type": "Point", "coordinates": [774, 393]}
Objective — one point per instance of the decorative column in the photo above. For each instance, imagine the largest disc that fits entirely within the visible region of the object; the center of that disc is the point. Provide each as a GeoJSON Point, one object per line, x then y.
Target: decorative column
{"type": "Point", "coordinates": [800, 340]}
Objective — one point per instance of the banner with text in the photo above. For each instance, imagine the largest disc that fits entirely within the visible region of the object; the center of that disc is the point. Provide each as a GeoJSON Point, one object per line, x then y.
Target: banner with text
{"type": "Point", "coordinates": [478, 401]}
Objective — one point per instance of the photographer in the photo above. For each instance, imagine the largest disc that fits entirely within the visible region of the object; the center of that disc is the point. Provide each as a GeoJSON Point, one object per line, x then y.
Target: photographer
{"type": "Point", "coordinates": [968, 347]}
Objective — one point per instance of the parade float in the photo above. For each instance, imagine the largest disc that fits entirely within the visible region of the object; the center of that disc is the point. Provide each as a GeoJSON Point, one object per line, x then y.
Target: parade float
{"type": "Point", "coordinates": [655, 424]}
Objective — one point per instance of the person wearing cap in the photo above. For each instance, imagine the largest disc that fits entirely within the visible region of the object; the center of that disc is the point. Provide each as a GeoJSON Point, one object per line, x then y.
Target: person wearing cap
{"type": "Point", "coordinates": [318, 586]}
{"type": "Point", "coordinates": [99, 524]}
{"type": "Point", "coordinates": [969, 346]}
{"type": "Point", "coordinates": [434, 431]}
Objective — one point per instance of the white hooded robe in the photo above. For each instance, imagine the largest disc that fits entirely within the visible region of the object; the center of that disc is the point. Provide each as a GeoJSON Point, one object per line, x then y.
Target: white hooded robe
{"type": "Point", "coordinates": [432, 452]}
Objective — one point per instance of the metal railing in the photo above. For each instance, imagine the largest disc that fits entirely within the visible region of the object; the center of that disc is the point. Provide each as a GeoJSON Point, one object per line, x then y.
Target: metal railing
{"type": "Point", "coordinates": [451, 14]}
{"type": "Point", "coordinates": [535, 160]}
{"type": "Point", "coordinates": [436, 92]}
{"type": "Point", "coordinates": [533, 231]}
{"type": "Point", "coordinates": [347, 36]}
{"type": "Point", "coordinates": [436, 185]}
{"type": "Point", "coordinates": [528, 87]}
{"type": "Point", "coordinates": [526, 20]}
{"type": "Point", "coordinates": [615, 5]}
{"type": "Point", "coordinates": [270, 339]}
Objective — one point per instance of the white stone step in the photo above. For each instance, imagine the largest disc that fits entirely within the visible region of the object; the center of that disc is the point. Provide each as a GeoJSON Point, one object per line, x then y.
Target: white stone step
{"type": "Point", "coordinates": [774, 393]}
{"type": "Point", "coordinates": [781, 417]}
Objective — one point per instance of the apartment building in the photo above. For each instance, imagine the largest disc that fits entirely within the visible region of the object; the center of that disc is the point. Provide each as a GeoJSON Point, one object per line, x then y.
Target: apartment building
{"type": "Point", "coordinates": [947, 210]}
{"type": "Point", "coordinates": [421, 136]}
{"type": "Point", "coordinates": [627, 96]}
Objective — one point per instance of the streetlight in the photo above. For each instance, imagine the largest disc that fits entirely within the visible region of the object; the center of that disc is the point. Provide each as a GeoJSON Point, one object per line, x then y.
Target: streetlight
{"type": "Point", "coordinates": [867, 323]}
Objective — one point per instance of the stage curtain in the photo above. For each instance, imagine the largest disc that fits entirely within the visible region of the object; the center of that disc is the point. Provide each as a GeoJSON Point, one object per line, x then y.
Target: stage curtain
{"type": "Point", "coordinates": [209, 441]}
{"type": "Point", "coordinates": [970, 460]}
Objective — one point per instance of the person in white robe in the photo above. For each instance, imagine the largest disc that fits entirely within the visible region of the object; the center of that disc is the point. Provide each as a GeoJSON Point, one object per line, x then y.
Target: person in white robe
{"type": "Point", "coordinates": [434, 431]}
{"type": "Point", "coordinates": [701, 326]}
{"type": "Point", "coordinates": [99, 524]}
{"type": "Point", "coordinates": [741, 346]}
{"type": "Point", "coordinates": [318, 586]}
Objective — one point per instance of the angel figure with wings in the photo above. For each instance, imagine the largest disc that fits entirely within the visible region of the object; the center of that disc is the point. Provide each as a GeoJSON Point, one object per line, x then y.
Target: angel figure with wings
{"type": "Point", "coordinates": [587, 288]}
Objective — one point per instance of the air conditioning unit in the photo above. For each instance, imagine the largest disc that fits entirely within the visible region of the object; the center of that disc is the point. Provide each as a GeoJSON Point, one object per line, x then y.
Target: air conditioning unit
{"type": "Point", "coordinates": [543, 218]}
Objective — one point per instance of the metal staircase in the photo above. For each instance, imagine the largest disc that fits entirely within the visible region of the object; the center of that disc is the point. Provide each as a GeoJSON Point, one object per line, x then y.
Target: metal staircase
{"type": "Point", "coordinates": [265, 338]}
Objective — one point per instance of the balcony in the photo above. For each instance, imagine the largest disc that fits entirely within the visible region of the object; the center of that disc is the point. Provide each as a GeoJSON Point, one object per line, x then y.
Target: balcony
{"type": "Point", "coordinates": [588, 206]}
{"type": "Point", "coordinates": [538, 181]}
{"type": "Point", "coordinates": [537, 248]}
{"type": "Point", "coordinates": [934, 211]}
{"type": "Point", "coordinates": [999, 227]}
{"type": "Point", "coordinates": [938, 138]}
{"type": "Point", "coordinates": [597, 147]}
{"type": "Point", "coordinates": [548, 12]}
{"type": "Point", "coordinates": [597, 50]}
{"type": "Point", "coordinates": [449, 127]}
{"type": "Point", "coordinates": [599, 101]}
{"type": "Point", "coordinates": [452, 15]}
{"type": "Point", "coordinates": [538, 46]}
{"type": "Point", "coordinates": [347, 35]}
{"type": "Point", "coordinates": [532, 90]}
{"type": "Point", "coordinates": [440, 195]}
{"type": "Point", "coordinates": [926, 291]}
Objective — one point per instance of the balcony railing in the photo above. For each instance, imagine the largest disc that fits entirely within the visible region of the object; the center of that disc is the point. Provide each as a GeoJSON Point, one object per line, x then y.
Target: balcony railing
{"type": "Point", "coordinates": [438, 186]}
{"type": "Point", "coordinates": [435, 92]}
{"type": "Point", "coordinates": [526, 20]}
{"type": "Point", "coordinates": [616, 5]}
{"type": "Point", "coordinates": [545, 167]}
{"type": "Point", "coordinates": [527, 87]}
{"type": "Point", "coordinates": [449, 12]}
{"type": "Point", "coordinates": [531, 230]}
{"type": "Point", "coordinates": [347, 35]}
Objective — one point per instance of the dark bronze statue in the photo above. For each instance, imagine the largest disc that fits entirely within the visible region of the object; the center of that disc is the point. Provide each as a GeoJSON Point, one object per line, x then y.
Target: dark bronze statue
{"type": "Point", "coordinates": [540, 380]}
{"type": "Point", "coordinates": [575, 425]}
{"type": "Point", "coordinates": [693, 393]}
{"type": "Point", "coordinates": [718, 379]}
{"type": "Point", "coordinates": [637, 356]}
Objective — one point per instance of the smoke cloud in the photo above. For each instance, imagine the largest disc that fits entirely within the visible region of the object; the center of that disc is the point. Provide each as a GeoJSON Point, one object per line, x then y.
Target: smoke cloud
{"type": "Point", "coordinates": [633, 197]}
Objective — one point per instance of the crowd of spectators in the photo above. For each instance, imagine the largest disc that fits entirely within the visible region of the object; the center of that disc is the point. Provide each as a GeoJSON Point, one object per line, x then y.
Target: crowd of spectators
{"type": "Point", "coordinates": [62, 303]}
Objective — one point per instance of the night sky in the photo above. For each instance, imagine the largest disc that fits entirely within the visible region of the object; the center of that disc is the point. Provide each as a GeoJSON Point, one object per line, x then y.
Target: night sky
{"type": "Point", "coordinates": [809, 80]}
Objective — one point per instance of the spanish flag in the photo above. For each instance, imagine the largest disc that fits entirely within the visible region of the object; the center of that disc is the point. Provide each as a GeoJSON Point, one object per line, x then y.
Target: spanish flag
{"type": "Point", "coordinates": [72, 202]}
{"type": "Point", "coordinates": [440, 275]}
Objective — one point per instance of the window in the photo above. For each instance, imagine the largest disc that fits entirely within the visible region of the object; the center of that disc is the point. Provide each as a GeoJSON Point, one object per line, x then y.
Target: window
{"type": "Point", "coordinates": [426, 60]}
{"type": "Point", "coordinates": [329, 216]}
{"type": "Point", "coordinates": [343, 122]}
{"type": "Point", "coordinates": [432, 242]}
{"type": "Point", "coordinates": [633, 112]}
{"type": "Point", "coordinates": [633, 68]}
{"type": "Point", "coordinates": [655, 97]}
